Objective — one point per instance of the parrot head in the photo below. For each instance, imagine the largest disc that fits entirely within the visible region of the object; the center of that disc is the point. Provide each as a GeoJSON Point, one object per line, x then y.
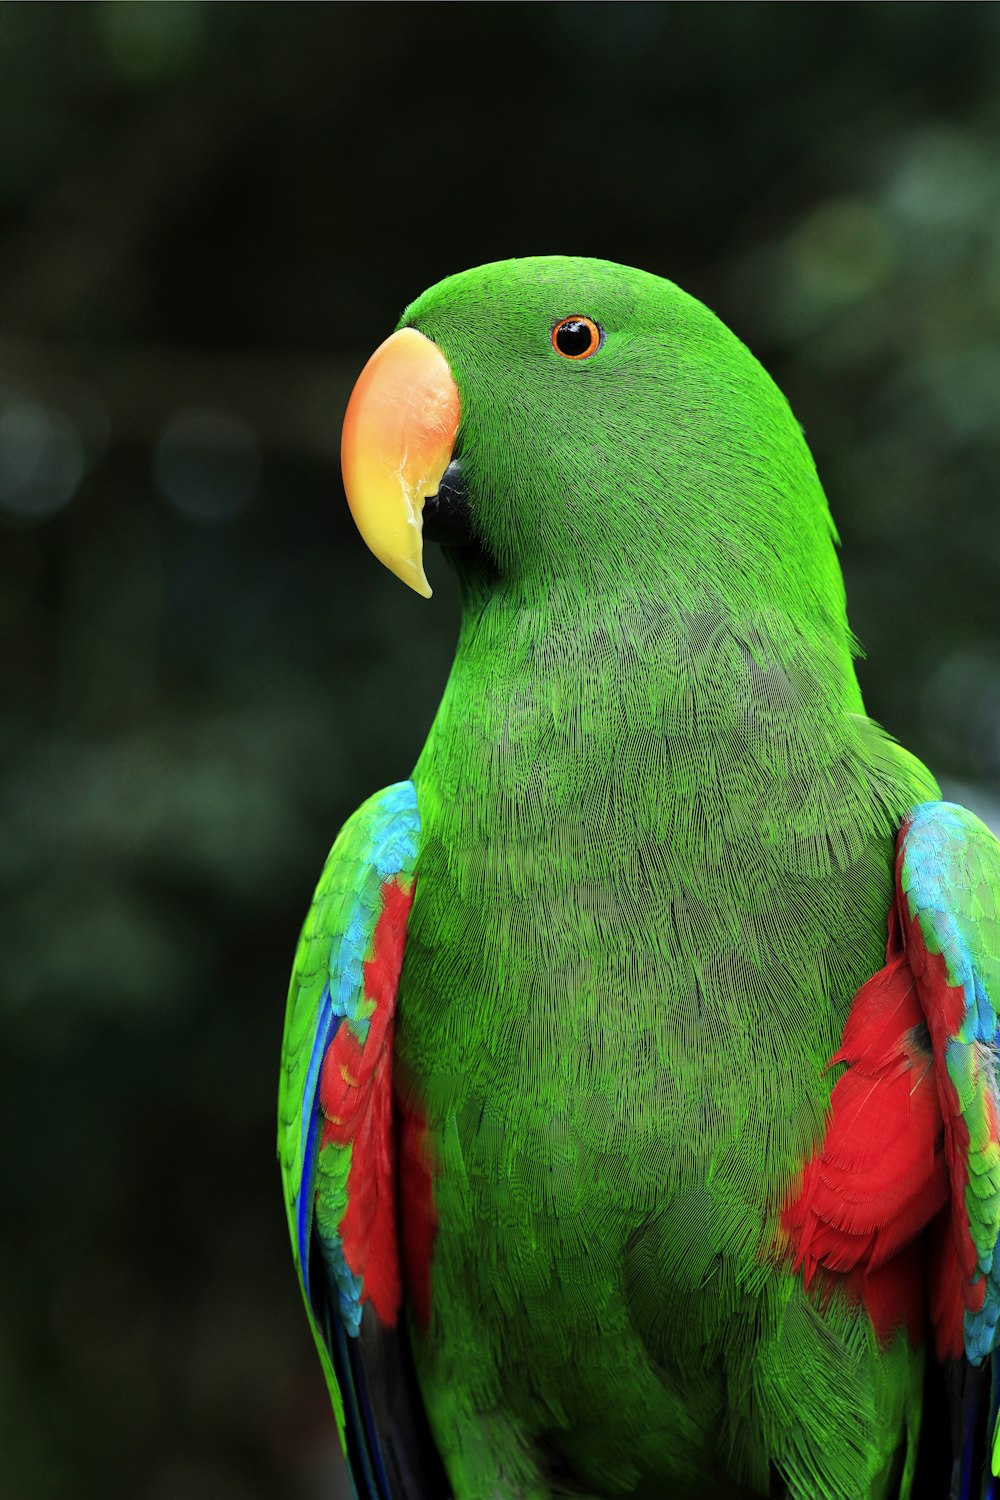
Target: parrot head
{"type": "Point", "coordinates": [559, 419]}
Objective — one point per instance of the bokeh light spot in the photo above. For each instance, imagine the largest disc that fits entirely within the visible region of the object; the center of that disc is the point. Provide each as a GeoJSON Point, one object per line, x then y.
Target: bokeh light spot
{"type": "Point", "coordinates": [843, 250]}
{"type": "Point", "coordinates": [944, 178]}
{"type": "Point", "coordinates": [41, 458]}
{"type": "Point", "coordinates": [150, 42]}
{"type": "Point", "coordinates": [207, 464]}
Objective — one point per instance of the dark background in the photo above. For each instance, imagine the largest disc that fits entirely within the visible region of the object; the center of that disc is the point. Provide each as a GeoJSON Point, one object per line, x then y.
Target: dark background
{"type": "Point", "coordinates": [209, 216]}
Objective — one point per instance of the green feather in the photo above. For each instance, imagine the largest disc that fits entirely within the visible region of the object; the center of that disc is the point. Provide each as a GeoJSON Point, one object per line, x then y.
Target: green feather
{"type": "Point", "coordinates": [657, 835]}
{"type": "Point", "coordinates": [657, 848]}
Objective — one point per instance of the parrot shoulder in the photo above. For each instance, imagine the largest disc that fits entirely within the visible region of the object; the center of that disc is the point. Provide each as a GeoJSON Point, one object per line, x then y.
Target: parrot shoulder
{"type": "Point", "coordinates": [948, 906]}
{"type": "Point", "coordinates": [913, 1133]}
{"type": "Point", "coordinates": [912, 1141]}
{"type": "Point", "coordinates": [337, 1127]}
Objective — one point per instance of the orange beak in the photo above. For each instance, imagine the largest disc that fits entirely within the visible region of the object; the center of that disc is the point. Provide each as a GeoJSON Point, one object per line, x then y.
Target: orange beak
{"type": "Point", "coordinates": [399, 434]}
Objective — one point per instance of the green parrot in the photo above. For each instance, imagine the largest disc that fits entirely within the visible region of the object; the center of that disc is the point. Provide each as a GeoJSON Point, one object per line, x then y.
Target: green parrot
{"type": "Point", "coordinates": [638, 1114]}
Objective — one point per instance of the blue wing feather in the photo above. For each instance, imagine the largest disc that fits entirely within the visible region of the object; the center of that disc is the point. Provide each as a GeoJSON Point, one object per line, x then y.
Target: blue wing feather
{"type": "Point", "coordinates": [949, 879]}
{"type": "Point", "coordinates": [387, 1449]}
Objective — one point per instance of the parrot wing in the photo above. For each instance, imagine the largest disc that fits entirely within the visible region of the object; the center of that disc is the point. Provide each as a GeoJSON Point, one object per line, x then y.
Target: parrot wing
{"type": "Point", "coordinates": [338, 1149]}
{"type": "Point", "coordinates": [913, 1137]}
{"type": "Point", "coordinates": [948, 904]}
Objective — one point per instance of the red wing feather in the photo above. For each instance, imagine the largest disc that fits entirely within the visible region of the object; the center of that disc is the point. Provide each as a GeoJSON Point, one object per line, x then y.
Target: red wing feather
{"type": "Point", "coordinates": [880, 1174]}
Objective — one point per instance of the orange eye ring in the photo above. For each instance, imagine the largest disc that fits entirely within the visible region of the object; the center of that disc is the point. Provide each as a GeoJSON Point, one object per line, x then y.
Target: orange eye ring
{"type": "Point", "coordinates": [577, 337]}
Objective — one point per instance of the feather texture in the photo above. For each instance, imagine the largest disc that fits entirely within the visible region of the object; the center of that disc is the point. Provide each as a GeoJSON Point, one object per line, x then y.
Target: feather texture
{"type": "Point", "coordinates": [912, 1142]}
{"type": "Point", "coordinates": [338, 1144]}
{"type": "Point", "coordinates": [948, 872]}
{"type": "Point", "coordinates": [657, 845]}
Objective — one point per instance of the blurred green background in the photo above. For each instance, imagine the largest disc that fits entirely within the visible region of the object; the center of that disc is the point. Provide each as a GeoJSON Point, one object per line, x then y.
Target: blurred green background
{"type": "Point", "coordinates": [209, 216]}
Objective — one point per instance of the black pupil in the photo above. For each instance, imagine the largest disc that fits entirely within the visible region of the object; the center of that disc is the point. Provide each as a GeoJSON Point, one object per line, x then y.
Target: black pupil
{"type": "Point", "coordinates": [574, 337]}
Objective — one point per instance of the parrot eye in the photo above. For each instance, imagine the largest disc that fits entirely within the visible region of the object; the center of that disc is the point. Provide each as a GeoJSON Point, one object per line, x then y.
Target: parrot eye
{"type": "Point", "coordinates": [577, 337]}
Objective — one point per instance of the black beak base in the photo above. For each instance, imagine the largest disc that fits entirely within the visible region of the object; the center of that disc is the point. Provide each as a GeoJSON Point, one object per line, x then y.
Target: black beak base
{"type": "Point", "coordinates": [446, 515]}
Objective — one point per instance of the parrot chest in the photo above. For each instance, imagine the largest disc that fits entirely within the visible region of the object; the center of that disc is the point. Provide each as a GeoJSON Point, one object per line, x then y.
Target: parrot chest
{"type": "Point", "coordinates": [624, 975]}
{"type": "Point", "coordinates": [606, 1111]}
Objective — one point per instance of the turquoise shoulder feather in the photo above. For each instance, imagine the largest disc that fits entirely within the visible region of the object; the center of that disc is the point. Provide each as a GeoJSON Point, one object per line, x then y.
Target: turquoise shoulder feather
{"type": "Point", "coordinates": [949, 883]}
